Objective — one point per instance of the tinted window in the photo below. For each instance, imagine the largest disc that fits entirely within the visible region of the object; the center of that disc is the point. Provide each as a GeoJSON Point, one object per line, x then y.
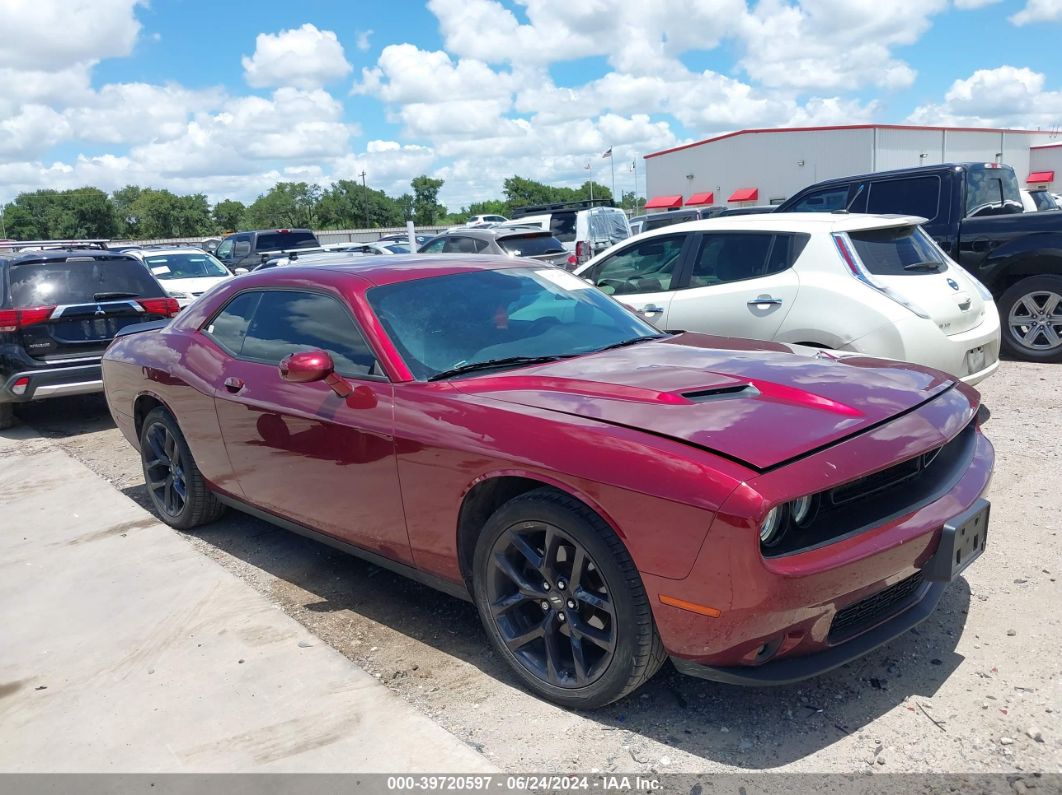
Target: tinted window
{"type": "Point", "coordinates": [664, 219]}
{"type": "Point", "coordinates": [562, 225]}
{"type": "Point", "coordinates": [193, 265]}
{"type": "Point", "coordinates": [445, 321]}
{"type": "Point", "coordinates": [822, 201]}
{"type": "Point", "coordinates": [531, 245]}
{"type": "Point", "coordinates": [730, 258]}
{"type": "Point", "coordinates": [224, 249]}
{"type": "Point", "coordinates": [902, 251]}
{"type": "Point", "coordinates": [463, 245]}
{"type": "Point", "coordinates": [645, 267]}
{"type": "Point", "coordinates": [435, 246]}
{"type": "Point", "coordinates": [1043, 200]}
{"type": "Point", "coordinates": [78, 281]}
{"type": "Point", "coordinates": [229, 327]}
{"type": "Point", "coordinates": [270, 241]}
{"type": "Point", "coordinates": [992, 191]}
{"type": "Point", "coordinates": [916, 196]}
{"type": "Point", "coordinates": [289, 321]}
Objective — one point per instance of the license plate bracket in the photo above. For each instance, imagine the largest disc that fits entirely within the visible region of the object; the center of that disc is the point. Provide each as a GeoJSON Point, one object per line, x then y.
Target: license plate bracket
{"type": "Point", "coordinates": [962, 540]}
{"type": "Point", "coordinates": [976, 360]}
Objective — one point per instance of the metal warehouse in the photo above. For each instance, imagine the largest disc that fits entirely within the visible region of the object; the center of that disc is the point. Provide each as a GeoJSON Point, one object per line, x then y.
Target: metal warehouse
{"type": "Point", "coordinates": [767, 166]}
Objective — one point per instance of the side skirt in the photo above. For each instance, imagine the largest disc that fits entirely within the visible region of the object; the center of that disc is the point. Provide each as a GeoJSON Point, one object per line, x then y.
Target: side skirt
{"type": "Point", "coordinates": [449, 587]}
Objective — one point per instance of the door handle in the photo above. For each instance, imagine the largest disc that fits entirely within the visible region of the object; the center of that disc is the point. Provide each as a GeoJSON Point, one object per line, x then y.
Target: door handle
{"type": "Point", "coordinates": [651, 309]}
{"type": "Point", "coordinates": [765, 299]}
{"type": "Point", "coordinates": [234, 384]}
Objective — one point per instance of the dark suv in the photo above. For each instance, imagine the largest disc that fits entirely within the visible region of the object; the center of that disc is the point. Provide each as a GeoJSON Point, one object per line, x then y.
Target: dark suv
{"type": "Point", "coordinates": [250, 249]}
{"type": "Point", "coordinates": [59, 310]}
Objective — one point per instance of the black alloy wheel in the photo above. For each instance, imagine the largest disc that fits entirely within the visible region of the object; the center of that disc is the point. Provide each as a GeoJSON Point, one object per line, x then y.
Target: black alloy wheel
{"type": "Point", "coordinates": [562, 601]}
{"type": "Point", "coordinates": [174, 483]}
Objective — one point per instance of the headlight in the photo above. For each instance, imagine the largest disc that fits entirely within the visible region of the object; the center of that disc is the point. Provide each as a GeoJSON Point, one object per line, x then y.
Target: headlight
{"type": "Point", "coordinates": [800, 509]}
{"type": "Point", "coordinates": [771, 529]}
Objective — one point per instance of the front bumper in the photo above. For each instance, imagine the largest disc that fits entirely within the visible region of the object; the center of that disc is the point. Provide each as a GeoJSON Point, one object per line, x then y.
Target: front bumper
{"type": "Point", "coordinates": [53, 382]}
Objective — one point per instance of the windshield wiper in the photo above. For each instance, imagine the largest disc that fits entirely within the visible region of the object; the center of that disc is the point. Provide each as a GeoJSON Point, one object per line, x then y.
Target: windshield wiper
{"type": "Point", "coordinates": [109, 296]}
{"type": "Point", "coordinates": [928, 265]}
{"type": "Point", "coordinates": [490, 364]}
{"type": "Point", "coordinates": [634, 341]}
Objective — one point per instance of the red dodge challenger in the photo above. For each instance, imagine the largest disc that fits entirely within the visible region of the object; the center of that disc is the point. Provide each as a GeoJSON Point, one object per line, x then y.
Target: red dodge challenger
{"type": "Point", "coordinates": [609, 496]}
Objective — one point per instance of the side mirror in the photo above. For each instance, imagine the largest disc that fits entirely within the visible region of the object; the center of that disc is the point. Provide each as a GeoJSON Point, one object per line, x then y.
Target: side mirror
{"type": "Point", "coordinates": [306, 366]}
{"type": "Point", "coordinates": [241, 271]}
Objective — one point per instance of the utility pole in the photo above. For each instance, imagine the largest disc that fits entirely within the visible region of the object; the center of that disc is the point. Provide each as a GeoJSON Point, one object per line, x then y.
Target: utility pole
{"type": "Point", "coordinates": [364, 198]}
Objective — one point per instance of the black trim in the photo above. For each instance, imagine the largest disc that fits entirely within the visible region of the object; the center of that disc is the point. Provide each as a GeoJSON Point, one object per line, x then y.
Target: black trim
{"type": "Point", "coordinates": [49, 376]}
{"type": "Point", "coordinates": [449, 587]}
{"type": "Point", "coordinates": [795, 669]}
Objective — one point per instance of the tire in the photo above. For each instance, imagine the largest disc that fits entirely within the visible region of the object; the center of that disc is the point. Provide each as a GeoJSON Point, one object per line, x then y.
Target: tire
{"type": "Point", "coordinates": [536, 630]}
{"type": "Point", "coordinates": [181, 497]}
{"type": "Point", "coordinates": [7, 415]}
{"type": "Point", "coordinates": [1030, 317]}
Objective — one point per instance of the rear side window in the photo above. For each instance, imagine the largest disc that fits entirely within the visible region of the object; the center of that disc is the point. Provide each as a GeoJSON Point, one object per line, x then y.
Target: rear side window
{"type": "Point", "coordinates": [900, 251]}
{"type": "Point", "coordinates": [80, 280]}
{"type": "Point", "coordinates": [531, 245]}
{"type": "Point", "coordinates": [463, 245]}
{"type": "Point", "coordinates": [229, 327]}
{"type": "Point", "coordinates": [269, 241]}
{"type": "Point", "coordinates": [287, 321]}
{"type": "Point", "coordinates": [823, 201]}
{"type": "Point", "coordinates": [992, 191]}
{"type": "Point", "coordinates": [915, 196]}
{"type": "Point", "coordinates": [562, 225]}
{"type": "Point", "coordinates": [730, 258]}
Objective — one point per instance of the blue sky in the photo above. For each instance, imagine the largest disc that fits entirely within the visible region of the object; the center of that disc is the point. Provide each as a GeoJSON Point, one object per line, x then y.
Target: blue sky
{"type": "Point", "coordinates": [208, 97]}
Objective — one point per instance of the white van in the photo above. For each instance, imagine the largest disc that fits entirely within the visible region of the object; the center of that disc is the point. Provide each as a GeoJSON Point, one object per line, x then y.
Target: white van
{"type": "Point", "coordinates": [585, 229]}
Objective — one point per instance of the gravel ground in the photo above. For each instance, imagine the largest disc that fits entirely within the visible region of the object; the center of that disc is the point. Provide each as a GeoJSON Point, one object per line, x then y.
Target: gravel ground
{"type": "Point", "coordinates": [977, 688]}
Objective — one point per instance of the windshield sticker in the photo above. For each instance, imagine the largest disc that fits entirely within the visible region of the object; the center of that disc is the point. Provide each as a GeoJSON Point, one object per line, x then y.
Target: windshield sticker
{"type": "Point", "coordinates": [564, 279]}
{"type": "Point", "coordinates": [158, 270]}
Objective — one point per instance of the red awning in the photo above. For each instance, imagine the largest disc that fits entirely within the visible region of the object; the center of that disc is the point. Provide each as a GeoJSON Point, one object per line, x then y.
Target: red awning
{"type": "Point", "coordinates": [664, 203]}
{"type": "Point", "coordinates": [1041, 176]}
{"type": "Point", "coordinates": [701, 198]}
{"type": "Point", "coordinates": [744, 195]}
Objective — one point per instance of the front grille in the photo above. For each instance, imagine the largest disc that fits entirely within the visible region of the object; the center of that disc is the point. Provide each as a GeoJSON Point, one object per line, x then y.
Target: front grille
{"type": "Point", "coordinates": [879, 481]}
{"type": "Point", "coordinates": [870, 611]}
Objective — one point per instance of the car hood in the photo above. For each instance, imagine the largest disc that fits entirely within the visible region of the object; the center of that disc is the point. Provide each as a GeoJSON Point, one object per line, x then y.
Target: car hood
{"type": "Point", "coordinates": [197, 284]}
{"type": "Point", "coordinates": [759, 403]}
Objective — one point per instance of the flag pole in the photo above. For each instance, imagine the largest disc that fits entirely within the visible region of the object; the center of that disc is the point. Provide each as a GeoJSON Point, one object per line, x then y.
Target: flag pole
{"type": "Point", "coordinates": [612, 164]}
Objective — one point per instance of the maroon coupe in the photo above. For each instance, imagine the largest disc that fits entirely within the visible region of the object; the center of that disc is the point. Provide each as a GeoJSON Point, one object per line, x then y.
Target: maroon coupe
{"type": "Point", "coordinates": [606, 494]}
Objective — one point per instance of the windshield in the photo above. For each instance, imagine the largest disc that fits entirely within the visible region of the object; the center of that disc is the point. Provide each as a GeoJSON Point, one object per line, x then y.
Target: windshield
{"type": "Point", "coordinates": [192, 265]}
{"type": "Point", "coordinates": [78, 280]}
{"type": "Point", "coordinates": [273, 241]}
{"type": "Point", "coordinates": [897, 251]}
{"type": "Point", "coordinates": [442, 322]}
{"type": "Point", "coordinates": [531, 245]}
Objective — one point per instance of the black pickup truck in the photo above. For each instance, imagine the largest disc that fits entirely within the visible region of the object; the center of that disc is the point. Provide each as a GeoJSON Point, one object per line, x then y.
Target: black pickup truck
{"type": "Point", "coordinates": [250, 249]}
{"type": "Point", "coordinates": [974, 212]}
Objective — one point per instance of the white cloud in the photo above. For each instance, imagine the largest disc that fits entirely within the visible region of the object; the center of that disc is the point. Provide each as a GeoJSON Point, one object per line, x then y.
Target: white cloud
{"type": "Point", "coordinates": [361, 40]}
{"type": "Point", "coordinates": [1038, 11]}
{"type": "Point", "coordinates": [302, 57]}
{"type": "Point", "coordinates": [1003, 97]}
{"type": "Point", "coordinates": [38, 34]}
{"type": "Point", "coordinates": [968, 5]}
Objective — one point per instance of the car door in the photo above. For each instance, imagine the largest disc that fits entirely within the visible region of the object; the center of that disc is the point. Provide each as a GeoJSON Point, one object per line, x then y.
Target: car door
{"type": "Point", "coordinates": [740, 284]}
{"type": "Point", "coordinates": [644, 274]}
{"type": "Point", "coordinates": [298, 450]}
{"type": "Point", "coordinates": [225, 252]}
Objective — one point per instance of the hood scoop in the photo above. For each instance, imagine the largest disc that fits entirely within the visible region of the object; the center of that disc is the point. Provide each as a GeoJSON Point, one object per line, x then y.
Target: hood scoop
{"type": "Point", "coordinates": [721, 393]}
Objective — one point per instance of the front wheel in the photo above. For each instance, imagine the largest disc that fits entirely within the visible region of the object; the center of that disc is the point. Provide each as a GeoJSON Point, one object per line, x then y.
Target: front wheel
{"type": "Point", "coordinates": [563, 603]}
{"type": "Point", "coordinates": [1031, 316]}
{"type": "Point", "coordinates": [174, 483]}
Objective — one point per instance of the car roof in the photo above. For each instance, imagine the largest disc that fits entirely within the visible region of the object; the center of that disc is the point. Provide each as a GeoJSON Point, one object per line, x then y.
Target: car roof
{"type": "Point", "coordinates": [165, 252]}
{"type": "Point", "coordinates": [493, 232]}
{"type": "Point", "coordinates": [60, 254]}
{"type": "Point", "coordinates": [394, 268]}
{"type": "Point", "coordinates": [790, 222]}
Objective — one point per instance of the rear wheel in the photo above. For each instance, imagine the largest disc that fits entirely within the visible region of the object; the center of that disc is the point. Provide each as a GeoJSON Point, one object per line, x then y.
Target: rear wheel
{"type": "Point", "coordinates": [174, 482]}
{"type": "Point", "coordinates": [1031, 316]}
{"type": "Point", "coordinates": [563, 603]}
{"type": "Point", "coordinates": [7, 415]}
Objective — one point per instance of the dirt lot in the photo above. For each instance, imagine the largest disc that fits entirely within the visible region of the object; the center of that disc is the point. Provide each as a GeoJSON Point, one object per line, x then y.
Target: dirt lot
{"type": "Point", "coordinates": [977, 688]}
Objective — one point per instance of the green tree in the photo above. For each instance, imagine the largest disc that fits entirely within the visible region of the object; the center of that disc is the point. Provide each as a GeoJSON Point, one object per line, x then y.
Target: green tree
{"type": "Point", "coordinates": [286, 204]}
{"type": "Point", "coordinates": [123, 200]}
{"type": "Point", "coordinates": [77, 213]}
{"type": "Point", "coordinates": [227, 215]}
{"type": "Point", "coordinates": [520, 192]}
{"type": "Point", "coordinates": [405, 206]}
{"type": "Point", "coordinates": [426, 207]}
{"type": "Point", "coordinates": [348, 204]}
{"type": "Point", "coordinates": [163, 214]}
{"type": "Point", "coordinates": [488, 207]}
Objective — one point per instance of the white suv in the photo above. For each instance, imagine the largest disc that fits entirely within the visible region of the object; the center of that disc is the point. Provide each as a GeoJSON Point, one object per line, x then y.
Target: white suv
{"type": "Point", "coordinates": [870, 284]}
{"type": "Point", "coordinates": [185, 272]}
{"type": "Point", "coordinates": [583, 230]}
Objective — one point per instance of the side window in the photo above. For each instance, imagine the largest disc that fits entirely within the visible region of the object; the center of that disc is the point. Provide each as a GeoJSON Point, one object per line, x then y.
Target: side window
{"type": "Point", "coordinates": [229, 326]}
{"type": "Point", "coordinates": [562, 225]}
{"type": "Point", "coordinates": [459, 244]}
{"type": "Point", "coordinates": [243, 245]}
{"type": "Point", "coordinates": [645, 267]}
{"type": "Point", "coordinates": [730, 258]}
{"type": "Point", "coordinates": [434, 247]}
{"type": "Point", "coordinates": [916, 196]}
{"type": "Point", "coordinates": [823, 201]}
{"type": "Point", "coordinates": [225, 248]}
{"type": "Point", "coordinates": [287, 321]}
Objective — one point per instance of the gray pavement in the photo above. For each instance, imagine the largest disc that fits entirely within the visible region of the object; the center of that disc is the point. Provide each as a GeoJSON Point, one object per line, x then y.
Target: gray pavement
{"type": "Point", "coordinates": [122, 648]}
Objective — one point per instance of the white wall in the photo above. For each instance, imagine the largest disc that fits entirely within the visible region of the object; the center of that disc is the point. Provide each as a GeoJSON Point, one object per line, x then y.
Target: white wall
{"type": "Point", "coordinates": [768, 161]}
{"type": "Point", "coordinates": [1045, 160]}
